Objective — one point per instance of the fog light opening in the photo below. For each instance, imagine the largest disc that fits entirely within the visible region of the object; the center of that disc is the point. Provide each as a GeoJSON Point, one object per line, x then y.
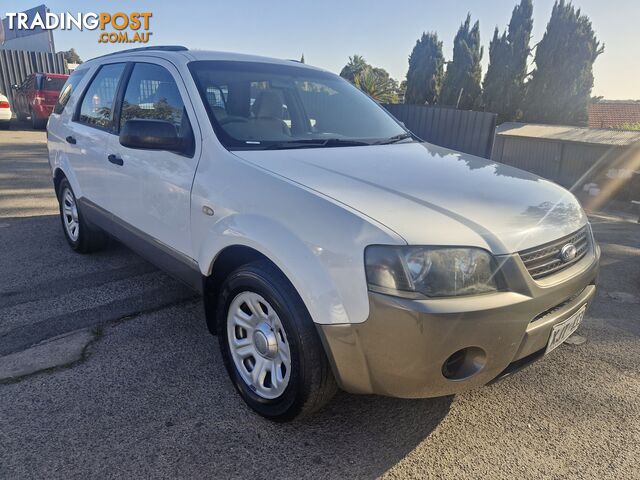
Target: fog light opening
{"type": "Point", "coordinates": [464, 363]}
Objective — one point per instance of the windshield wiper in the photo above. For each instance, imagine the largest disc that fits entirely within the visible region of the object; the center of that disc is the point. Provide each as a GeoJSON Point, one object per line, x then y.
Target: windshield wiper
{"type": "Point", "coordinates": [394, 139]}
{"type": "Point", "coordinates": [316, 143]}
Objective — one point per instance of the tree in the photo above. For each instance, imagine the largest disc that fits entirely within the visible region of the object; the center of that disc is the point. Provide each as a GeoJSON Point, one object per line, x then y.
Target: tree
{"type": "Point", "coordinates": [356, 64]}
{"type": "Point", "coordinates": [402, 90]}
{"type": "Point", "coordinates": [426, 70]}
{"type": "Point", "coordinates": [377, 84]}
{"type": "Point", "coordinates": [503, 88]}
{"type": "Point", "coordinates": [302, 58]}
{"type": "Point", "coordinates": [461, 86]}
{"type": "Point", "coordinates": [560, 87]}
{"type": "Point", "coordinates": [374, 81]}
{"type": "Point", "coordinates": [71, 56]}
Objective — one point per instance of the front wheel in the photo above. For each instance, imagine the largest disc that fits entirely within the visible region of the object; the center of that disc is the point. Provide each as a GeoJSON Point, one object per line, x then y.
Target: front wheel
{"type": "Point", "coordinates": [269, 344]}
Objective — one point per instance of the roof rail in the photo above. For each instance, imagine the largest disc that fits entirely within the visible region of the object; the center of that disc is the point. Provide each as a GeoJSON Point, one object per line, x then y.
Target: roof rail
{"type": "Point", "coordinates": [161, 48]}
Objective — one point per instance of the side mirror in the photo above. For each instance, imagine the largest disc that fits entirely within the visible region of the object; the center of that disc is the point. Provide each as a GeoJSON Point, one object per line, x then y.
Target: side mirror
{"type": "Point", "coordinates": [151, 135]}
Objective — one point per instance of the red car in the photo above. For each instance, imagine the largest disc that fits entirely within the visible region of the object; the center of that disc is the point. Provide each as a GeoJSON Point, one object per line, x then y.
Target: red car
{"type": "Point", "coordinates": [36, 96]}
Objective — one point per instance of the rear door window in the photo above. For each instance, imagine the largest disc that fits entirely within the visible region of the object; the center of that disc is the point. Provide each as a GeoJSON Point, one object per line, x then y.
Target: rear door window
{"type": "Point", "coordinates": [97, 104]}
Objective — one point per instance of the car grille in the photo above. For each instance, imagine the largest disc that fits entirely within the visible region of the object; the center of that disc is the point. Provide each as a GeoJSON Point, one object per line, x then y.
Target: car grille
{"type": "Point", "coordinates": [545, 260]}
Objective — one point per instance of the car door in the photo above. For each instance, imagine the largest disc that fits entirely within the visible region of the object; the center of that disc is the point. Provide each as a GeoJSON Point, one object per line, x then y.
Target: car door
{"type": "Point", "coordinates": [154, 195]}
{"type": "Point", "coordinates": [91, 135]}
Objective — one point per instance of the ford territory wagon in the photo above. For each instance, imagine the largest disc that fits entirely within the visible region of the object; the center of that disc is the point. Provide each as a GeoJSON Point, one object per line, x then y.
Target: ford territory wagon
{"type": "Point", "coordinates": [331, 246]}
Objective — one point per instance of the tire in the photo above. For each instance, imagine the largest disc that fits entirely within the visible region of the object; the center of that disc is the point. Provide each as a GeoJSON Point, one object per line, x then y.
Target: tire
{"type": "Point", "coordinates": [85, 238]}
{"type": "Point", "coordinates": [308, 383]}
{"type": "Point", "coordinates": [36, 123]}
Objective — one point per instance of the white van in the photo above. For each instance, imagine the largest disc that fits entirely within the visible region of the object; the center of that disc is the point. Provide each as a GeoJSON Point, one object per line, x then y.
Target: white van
{"type": "Point", "coordinates": [331, 247]}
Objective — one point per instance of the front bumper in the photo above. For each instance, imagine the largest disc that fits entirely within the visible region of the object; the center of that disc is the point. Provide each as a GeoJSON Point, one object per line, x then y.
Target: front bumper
{"type": "Point", "coordinates": [401, 349]}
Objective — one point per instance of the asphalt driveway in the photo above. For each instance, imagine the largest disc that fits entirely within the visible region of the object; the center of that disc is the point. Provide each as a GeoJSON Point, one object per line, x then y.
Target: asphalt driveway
{"type": "Point", "coordinates": [149, 397]}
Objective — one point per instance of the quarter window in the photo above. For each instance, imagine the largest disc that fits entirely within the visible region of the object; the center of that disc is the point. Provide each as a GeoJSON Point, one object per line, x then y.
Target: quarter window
{"type": "Point", "coordinates": [153, 94]}
{"type": "Point", "coordinates": [67, 90]}
{"type": "Point", "coordinates": [97, 104]}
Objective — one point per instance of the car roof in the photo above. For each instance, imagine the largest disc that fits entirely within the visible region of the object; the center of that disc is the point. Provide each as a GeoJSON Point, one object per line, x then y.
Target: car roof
{"type": "Point", "coordinates": [46, 74]}
{"type": "Point", "coordinates": [54, 75]}
{"type": "Point", "coordinates": [183, 55]}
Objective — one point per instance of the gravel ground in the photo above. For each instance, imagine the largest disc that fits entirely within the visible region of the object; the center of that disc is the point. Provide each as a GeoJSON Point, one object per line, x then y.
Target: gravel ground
{"type": "Point", "coordinates": [150, 397]}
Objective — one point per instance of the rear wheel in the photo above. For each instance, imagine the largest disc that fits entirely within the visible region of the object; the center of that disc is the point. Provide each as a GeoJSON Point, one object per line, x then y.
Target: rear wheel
{"type": "Point", "coordinates": [37, 123]}
{"type": "Point", "coordinates": [81, 236]}
{"type": "Point", "coordinates": [270, 345]}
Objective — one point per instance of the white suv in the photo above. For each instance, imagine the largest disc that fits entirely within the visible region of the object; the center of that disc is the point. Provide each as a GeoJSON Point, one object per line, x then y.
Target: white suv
{"type": "Point", "coordinates": [331, 246]}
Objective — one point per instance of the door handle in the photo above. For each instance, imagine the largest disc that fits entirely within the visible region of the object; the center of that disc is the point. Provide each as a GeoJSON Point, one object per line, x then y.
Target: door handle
{"type": "Point", "coordinates": [71, 140]}
{"type": "Point", "coordinates": [115, 159]}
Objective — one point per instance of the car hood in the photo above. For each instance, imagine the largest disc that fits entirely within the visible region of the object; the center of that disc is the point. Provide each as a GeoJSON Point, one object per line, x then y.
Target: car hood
{"type": "Point", "coordinates": [433, 196]}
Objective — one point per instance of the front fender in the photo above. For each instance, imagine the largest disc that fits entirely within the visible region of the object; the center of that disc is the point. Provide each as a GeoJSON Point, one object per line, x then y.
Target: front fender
{"type": "Point", "coordinates": [316, 241]}
{"type": "Point", "coordinates": [305, 265]}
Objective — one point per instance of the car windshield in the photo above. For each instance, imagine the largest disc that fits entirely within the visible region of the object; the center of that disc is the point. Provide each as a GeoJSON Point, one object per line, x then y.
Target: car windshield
{"type": "Point", "coordinates": [271, 106]}
{"type": "Point", "coordinates": [51, 84]}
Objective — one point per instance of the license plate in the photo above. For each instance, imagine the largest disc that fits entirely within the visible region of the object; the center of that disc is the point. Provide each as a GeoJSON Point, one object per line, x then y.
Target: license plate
{"type": "Point", "coordinates": [565, 329]}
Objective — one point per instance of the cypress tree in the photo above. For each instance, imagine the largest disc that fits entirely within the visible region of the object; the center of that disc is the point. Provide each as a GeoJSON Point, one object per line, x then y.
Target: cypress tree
{"type": "Point", "coordinates": [503, 88]}
{"type": "Point", "coordinates": [461, 85]}
{"type": "Point", "coordinates": [426, 70]}
{"type": "Point", "coordinates": [560, 87]}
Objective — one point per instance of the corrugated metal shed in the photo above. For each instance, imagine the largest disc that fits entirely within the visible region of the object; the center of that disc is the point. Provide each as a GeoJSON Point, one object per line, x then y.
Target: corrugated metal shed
{"type": "Point", "coordinates": [592, 136]}
{"type": "Point", "coordinates": [570, 156]}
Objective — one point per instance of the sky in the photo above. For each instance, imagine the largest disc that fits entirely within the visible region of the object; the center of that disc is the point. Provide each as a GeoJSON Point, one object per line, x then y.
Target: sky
{"type": "Point", "coordinates": [329, 31]}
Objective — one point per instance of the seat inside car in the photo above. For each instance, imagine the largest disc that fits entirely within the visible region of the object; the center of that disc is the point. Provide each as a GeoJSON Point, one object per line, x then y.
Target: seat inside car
{"type": "Point", "coordinates": [268, 112]}
{"type": "Point", "coordinates": [263, 120]}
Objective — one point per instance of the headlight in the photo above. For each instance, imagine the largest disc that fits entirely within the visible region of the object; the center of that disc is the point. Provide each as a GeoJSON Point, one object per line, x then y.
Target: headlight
{"type": "Point", "coordinates": [431, 271]}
